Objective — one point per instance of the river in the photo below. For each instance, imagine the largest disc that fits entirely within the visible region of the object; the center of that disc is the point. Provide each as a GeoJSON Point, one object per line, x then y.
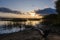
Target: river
{"type": "Point", "coordinates": [5, 30]}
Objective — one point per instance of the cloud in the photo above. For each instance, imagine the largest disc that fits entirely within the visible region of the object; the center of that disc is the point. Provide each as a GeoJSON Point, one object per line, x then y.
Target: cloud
{"type": "Point", "coordinates": [54, 0]}
{"type": "Point", "coordinates": [8, 15]}
{"type": "Point", "coordinates": [46, 6]}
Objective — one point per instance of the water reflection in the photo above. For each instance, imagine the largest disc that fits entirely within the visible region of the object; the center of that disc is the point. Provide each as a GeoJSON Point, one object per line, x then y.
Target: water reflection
{"type": "Point", "coordinates": [23, 22]}
{"type": "Point", "coordinates": [31, 22]}
{"type": "Point", "coordinates": [4, 30]}
{"type": "Point", "coordinates": [17, 27]}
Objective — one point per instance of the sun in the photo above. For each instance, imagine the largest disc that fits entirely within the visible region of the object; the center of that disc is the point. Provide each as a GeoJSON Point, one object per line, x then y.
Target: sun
{"type": "Point", "coordinates": [32, 14]}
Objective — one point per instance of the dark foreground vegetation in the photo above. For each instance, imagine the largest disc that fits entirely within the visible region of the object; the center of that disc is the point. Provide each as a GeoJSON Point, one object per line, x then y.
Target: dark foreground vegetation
{"type": "Point", "coordinates": [53, 20]}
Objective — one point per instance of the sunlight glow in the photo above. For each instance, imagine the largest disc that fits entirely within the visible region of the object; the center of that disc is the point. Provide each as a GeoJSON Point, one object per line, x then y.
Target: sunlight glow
{"type": "Point", "coordinates": [32, 14]}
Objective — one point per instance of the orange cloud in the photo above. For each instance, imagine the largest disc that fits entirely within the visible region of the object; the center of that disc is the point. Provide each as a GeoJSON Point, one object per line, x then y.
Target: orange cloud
{"type": "Point", "coordinates": [46, 6]}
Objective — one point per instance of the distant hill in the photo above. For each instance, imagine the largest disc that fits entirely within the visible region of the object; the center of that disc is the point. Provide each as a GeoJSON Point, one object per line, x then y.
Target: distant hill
{"type": "Point", "coordinates": [46, 11]}
{"type": "Point", "coordinates": [3, 9]}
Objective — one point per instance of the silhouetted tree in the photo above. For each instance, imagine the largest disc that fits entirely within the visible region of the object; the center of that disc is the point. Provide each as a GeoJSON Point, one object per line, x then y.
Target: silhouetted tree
{"type": "Point", "coordinates": [58, 6]}
{"type": "Point", "coordinates": [58, 11]}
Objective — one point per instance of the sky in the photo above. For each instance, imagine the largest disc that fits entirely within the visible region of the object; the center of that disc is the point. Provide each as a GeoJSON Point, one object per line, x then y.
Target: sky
{"type": "Point", "coordinates": [27, 5]}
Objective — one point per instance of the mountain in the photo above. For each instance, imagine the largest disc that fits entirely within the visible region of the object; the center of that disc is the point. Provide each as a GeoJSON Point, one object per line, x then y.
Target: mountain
{"type": "Point", "coordinates": [46, 11]}
{"type": "Point", "coordinates": [3, 9]}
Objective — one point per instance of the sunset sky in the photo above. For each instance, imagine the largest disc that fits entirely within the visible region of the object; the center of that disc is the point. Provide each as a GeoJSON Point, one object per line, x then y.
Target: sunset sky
{"type": "Point", "coordinates": [27, 5]}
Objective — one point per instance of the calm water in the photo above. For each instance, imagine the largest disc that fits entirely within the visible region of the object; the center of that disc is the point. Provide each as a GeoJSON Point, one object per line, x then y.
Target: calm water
{"type": "Point", "coordinates": [4, 30]}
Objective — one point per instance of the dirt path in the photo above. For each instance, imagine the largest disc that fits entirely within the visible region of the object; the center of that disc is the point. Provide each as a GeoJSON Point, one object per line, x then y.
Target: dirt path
{"type": "Point", "coordinates": [28, 35]}
{"type": "Point", "coordinates": [54, 37]}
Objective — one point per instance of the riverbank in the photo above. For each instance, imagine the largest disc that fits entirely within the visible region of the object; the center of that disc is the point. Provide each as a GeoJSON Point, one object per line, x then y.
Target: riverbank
{"type": "Point", "coordinates": [23, 35]}
{"type": "Point", "coordinates": [28, 35]}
